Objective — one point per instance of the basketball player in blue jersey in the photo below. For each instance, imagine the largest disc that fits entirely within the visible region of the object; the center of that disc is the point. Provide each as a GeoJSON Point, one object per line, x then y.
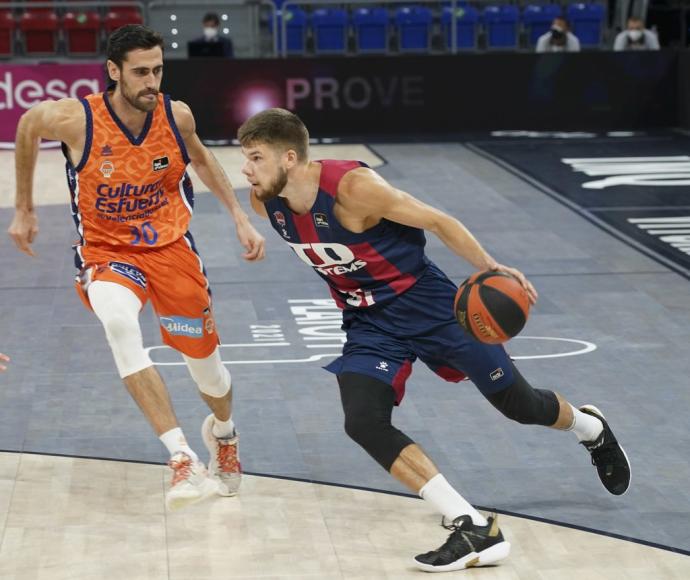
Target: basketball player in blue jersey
{"type": "Point", "coordinates": [365, 238]}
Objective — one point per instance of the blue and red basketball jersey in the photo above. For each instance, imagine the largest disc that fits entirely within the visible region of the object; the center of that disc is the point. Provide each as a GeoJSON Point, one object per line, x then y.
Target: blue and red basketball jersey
{"type": "Point", "coordinates": [361, 269]}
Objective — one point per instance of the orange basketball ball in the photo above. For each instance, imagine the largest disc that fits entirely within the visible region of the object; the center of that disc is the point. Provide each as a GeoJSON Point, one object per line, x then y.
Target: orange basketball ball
{"type": "Point", "coordinates": [492, 306]}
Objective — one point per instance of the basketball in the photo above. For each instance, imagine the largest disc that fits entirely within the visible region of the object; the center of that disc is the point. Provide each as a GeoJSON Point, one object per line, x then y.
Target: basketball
{"type": "Point", "coordinates": [492, 306]}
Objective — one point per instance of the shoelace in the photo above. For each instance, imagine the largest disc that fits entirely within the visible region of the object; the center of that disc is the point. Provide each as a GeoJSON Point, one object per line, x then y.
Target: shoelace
{"type": "Point", "coordinates": [227, 458]}
{"type": "Point", "coordinates": [457, 543]}
{"type": "Point", "coordinates": [181, 470]}
{"type": "Point", "coordinates": [605, 455]}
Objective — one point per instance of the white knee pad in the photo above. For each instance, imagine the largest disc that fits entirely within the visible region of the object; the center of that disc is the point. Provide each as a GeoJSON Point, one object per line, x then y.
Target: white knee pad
{"type": "Point", "coordinates": [118, 309]}
{"type": "Point", "coordinates": [209, 374]}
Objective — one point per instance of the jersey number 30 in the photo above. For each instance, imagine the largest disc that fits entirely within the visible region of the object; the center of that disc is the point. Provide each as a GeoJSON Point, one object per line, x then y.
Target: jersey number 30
{"type": "Point", "coordinates": [146, 234]}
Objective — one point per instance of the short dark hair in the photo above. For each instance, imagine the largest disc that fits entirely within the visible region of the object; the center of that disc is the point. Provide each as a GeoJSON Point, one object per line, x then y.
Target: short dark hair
{"type": "Point", "coordinates": [131, 37]}
{"type": "Point", "coordinates": [276, 127]}
{"type": "Point", "coordinates": [563, 20]}
{"type": "Point", "coordinates": [211, 17]}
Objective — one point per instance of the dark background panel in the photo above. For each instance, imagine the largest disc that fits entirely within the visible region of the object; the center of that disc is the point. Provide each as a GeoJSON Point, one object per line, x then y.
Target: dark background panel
{"type": "Point", "coordinates": [424, 94]}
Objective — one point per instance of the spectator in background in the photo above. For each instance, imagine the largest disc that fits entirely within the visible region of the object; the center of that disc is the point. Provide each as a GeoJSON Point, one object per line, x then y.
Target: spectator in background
{"type": "Point", "coordinates": [636, 37]}
{"type": "Point", "coordinates": [211, 43]}
{"type": "Point", "coordinates": [558, 38]}
{"type": "Point", "coordinates": [3, 358]}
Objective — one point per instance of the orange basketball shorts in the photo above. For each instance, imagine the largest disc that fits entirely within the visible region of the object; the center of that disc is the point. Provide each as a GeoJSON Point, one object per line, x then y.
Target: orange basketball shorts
{"type": "Point", "coordinates": [172, 277]}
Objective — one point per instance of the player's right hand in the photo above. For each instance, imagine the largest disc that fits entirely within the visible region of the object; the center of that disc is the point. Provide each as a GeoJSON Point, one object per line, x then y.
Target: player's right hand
{"type": "Point", "coordinates": [24, 229]}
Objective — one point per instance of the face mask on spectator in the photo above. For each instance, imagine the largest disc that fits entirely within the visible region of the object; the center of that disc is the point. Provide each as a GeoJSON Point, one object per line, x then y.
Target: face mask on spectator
{"type": "Point", "coordinates": [557, 32]}
{"type": "Point", "coordinates": [210, 32]}
{"type": "Point", "coordinates": [635, 35]}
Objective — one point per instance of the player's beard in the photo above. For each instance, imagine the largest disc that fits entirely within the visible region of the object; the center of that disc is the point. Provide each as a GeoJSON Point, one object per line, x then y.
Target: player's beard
{"type": "Point", "coordinates": [135, 99]}
{"type": "Point", "coordinates": [275, 188]}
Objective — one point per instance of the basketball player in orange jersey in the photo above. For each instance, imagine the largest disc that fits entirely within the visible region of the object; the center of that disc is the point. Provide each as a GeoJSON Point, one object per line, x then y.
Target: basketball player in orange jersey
{"type": "Point", "coordinates": [127, 150]}
{"type": "Point", "coordinates": [365, 239]}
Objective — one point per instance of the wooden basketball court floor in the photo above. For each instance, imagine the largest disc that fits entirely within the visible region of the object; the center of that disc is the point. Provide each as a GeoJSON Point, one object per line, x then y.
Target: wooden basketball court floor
{"type": "Point", "coordinates": [81, 477]}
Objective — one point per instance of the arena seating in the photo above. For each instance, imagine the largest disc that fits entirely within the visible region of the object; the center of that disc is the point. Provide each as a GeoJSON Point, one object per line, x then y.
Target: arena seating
{"type": "Point", "coordinates": [501, 24]}
{"type": "Point", "coordinates": [537, 19]}
{"type": "Point", "coordinates": [330, 28]}
{"type": "Point", "coordinates": [466, 26]}
{"type": "Point", "coordinates": [414, 28]}
{"type": "Point", "coordinates": [371, 29]}
{"type": "Point", "coordinates": [587, 22]}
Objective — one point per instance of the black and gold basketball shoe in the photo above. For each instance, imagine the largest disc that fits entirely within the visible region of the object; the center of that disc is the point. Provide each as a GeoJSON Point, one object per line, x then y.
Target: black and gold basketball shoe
{"type": "Point", "coordinates": [608, 456]}
{"type": "Point", "coordinates": [467, 546]}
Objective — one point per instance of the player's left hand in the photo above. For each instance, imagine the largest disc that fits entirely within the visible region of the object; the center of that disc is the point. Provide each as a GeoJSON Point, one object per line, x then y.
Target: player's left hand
{"type": "Point", "coordinates": [252, 241]}
{"type": "Point", "coordinates": [526, 284]}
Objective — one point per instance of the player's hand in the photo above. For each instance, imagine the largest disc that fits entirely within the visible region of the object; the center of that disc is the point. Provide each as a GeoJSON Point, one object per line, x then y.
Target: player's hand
{"type": "Point", "coordinates": [3, 358]}
{"type": "Point", "coordinates": [24, 229]}
{"type": "Point", "coordinates": [526, 284]}
{"type": "Point", "coordinates": [252, 241]}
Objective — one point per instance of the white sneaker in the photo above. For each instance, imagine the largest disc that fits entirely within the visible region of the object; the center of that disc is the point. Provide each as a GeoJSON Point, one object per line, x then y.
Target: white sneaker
{"type": "Point", "coordinates": [224, 463]}
{"type": "Point", "coordinates": [190, 482]}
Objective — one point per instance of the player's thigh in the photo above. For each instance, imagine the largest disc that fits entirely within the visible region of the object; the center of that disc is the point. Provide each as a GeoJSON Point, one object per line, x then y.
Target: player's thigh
{"type": "Point", "coordinates": [450, 351]}
{"type": "Point", "coordinates": [180, 296]}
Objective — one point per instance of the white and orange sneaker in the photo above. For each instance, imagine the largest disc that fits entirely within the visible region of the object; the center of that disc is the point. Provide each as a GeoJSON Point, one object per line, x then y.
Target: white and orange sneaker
{"type": "Point", "coordinates": [190, 482]}
{"type": "Point", "coordinates": [224, 464]}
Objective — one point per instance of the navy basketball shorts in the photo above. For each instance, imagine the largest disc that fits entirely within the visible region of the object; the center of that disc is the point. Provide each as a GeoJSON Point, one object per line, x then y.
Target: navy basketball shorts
{"type": "Point", "coordinates": [383, 342]}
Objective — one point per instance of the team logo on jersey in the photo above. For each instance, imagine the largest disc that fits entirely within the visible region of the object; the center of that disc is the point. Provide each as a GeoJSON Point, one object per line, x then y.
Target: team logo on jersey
{"type": "Point", "coordinates": [130, 272]}
{"type": "Point", "coordinates": [209, 324]}
{"type": "Point", "coordinates": [320, 220]}
{"type": "Point", "coordinates": [280, 218]}
{"type": "Point", "coordinates": [107, 168]}
{"type": "Point", "coordinates": [497, 374]}
{"type": "Point", "coordinates": [106, 150]}
{"type": "Point", "coordinates": [160, 163]}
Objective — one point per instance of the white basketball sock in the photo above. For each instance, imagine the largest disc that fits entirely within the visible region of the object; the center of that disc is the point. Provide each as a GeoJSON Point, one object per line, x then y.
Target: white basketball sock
{"type": "Point", "coordinates": [586, 427]}
{"type": "Point", "coordinates": [175, 442]}
{"type": "Point", "coordinates": [223, 429]}
{"type": "Point", "coordinates": [448, 502]}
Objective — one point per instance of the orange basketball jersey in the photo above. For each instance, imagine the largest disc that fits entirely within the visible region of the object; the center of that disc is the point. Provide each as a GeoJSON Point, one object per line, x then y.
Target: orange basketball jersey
{"type": "Point", "coordinates": [129, 193]}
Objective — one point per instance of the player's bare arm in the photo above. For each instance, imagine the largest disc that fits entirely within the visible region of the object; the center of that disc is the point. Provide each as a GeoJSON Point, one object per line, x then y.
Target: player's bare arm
{"type": "Point", "coordinates": [3, 359]}
{"type": "Point", "coordinates": [62, 120]}
{"type": "Point", "coordinates": [212, 175]}
{"type": "Point", "coordinates": [365, 196]}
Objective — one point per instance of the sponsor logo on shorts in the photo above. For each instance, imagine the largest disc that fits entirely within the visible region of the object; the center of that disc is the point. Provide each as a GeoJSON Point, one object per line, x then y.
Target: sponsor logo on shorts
{"type": "Point", "coordinates": [181, 326]}
{"type": "Point", "coordinates": [382, 366]}
{"type": "Point", "coordinates": [160, 163]}
{"type": "Point", "coordinates": [107, 168]}
{"type": "Point", "coordinates": [497, 374]}
{"type": "Point", "coordinates": [280, 218]}
{"type": "Point", "coordinates": [320, 220]}
{"type": "Point", "coordinates": [130, 272]}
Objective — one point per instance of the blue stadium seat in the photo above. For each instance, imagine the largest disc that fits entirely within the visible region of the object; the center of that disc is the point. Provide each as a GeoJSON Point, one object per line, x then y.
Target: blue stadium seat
{"type": "Point", "coordinates": [586, 22]}
{"type": "Point", "coordinates": [296, 30]}
{"type": "Point", "coordinates": [466, 25]}
{"type": "Point", "coordinates": [537, 19]}
{"type": "Point", "coordinates": [414, 28]}
{"type": "Point", "coordinates": [329, 26]}
{"type": "Point", "coordinates": [371, 30]}
{"type": "Point", "coordinates": [501, 26]}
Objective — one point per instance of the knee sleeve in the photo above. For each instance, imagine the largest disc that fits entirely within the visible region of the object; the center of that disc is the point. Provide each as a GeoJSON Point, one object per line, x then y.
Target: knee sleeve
{"type": "Point", "coordinates": [368, 405]}
{"type": "Point", "coordinates": [118, 309]}
{"type": "Point", "coordinates": [524, 404]}
{"type": "Point", "coordinates": [209, 374]}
